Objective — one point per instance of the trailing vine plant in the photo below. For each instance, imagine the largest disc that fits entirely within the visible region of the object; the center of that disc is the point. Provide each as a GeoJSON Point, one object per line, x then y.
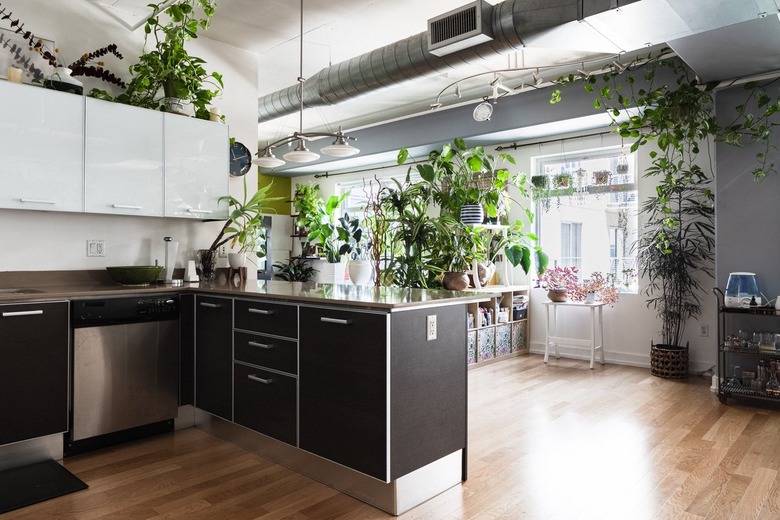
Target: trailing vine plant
{"type": "Point", "coordinates": [676, 247]}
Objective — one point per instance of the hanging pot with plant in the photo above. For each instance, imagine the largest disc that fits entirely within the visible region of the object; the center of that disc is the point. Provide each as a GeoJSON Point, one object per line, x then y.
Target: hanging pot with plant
{"type": "Point", "coordinates": [601, 177]}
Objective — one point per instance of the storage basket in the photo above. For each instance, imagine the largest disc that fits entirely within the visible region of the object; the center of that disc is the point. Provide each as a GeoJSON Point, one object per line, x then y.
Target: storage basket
{"type": "Point", "coordinates": [669, 361]}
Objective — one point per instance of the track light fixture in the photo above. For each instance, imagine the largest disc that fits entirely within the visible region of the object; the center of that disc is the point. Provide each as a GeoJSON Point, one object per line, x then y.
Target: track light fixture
{"type": "Point", "coordinates": [301, 154]}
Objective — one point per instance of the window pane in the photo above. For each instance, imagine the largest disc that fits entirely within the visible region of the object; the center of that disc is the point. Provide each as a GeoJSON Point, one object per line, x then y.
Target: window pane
{"type": "Point", "coordinates": [593, 228]}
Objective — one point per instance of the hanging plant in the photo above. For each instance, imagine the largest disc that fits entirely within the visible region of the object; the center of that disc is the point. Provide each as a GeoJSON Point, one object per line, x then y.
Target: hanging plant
{"type": "Point", "coordinates": [675, 250]}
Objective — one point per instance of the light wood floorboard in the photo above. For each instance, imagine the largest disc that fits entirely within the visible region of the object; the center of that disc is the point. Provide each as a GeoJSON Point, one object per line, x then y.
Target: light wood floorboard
{"type": "Point", "coordinates": [546, 442]}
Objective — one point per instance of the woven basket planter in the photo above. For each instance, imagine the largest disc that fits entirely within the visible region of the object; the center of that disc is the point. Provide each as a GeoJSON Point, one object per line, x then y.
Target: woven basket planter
{"type": "Point", "coordinates": [669, 361]}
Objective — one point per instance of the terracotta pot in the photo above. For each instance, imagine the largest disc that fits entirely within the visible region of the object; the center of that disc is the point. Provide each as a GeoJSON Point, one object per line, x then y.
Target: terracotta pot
{"type": "Point", "coordinates": [455, 281]}
{"type": "Point", "coordinates": [558, 295]}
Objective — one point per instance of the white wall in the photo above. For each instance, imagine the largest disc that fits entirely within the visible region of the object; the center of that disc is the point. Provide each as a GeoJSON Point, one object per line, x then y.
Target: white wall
{"type": "Point", "coordinates": [629, 326]}
{"type": "Point", "coordinates": [33, 240]}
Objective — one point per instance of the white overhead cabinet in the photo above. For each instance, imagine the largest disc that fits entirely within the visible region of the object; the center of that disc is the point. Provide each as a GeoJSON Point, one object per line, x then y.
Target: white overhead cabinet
{"type": "Point", "coordinates": [196, 167]}
{"type": "Point", "coordinates": [123, 159]}
{"type": "Point", "coordinates": [41, 149]}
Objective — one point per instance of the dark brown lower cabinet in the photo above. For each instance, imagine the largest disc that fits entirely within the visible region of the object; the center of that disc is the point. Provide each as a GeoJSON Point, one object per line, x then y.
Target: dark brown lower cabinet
{"type": "Point", "coordinates": [343, 387]}
{"type": "Point", "coordinates": [265, 401]}
{"type": "Point", "coordinates": [214, 355]}
{"type": "Point", "coordinates": [33, 370]}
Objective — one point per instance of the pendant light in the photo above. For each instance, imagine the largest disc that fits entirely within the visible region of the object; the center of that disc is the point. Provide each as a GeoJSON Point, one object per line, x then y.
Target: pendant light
{"type": "Point", "coordinates": [301, 154]}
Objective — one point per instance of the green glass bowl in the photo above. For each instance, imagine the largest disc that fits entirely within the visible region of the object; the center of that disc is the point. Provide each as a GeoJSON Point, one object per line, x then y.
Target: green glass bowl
{"type": "Point", "coordinates": [134, 274]}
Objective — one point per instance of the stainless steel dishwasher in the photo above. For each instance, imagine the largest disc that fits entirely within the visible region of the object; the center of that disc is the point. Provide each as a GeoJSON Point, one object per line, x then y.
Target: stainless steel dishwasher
{"type": "Point", "coordinates": [125, 369]}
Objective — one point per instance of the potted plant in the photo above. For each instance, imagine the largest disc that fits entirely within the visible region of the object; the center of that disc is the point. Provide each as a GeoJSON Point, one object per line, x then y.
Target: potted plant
{"type": "Point", "coordinates": [461, 251]}
{"type": "Point", "coordinates": [465, 181]}
{"type": "Point", "coordinates": [355, 248]}
{"type": "Point", "coordinates": [243, 228]}
{"type": "Point", "coordinates": [324, 232]}
{"type": "Point", "coordinates": [294, 270]}
{"type": "Point", "coordinates": [168, 66]}
{"type": "Point", "coordinates": [596, 288]}
{"type": "Point", "coordinates": [304, 203]}
{"type": "Point", "coordinates": [601, 177]}
{"type": "Point", "coordinates": [559, 281]}
{"type": "Point", "coordinates": [540, 191]}
{"type": "Point", "coordinates": [562, 181]}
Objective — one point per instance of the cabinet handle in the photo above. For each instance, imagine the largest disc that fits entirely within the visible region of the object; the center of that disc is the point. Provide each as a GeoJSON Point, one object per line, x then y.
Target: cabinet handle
{"type": "Point", "coordinates": [126, 206]}
{"type": "Point", "coordinates": [336, 321]}
{"type": "Point", "coordinates": [265, 312]}
{"type": "Point", "coordinates": [210, 305]}
{"type": "Point", "coordinates": [267, 346]}
{"type": "Point", "coordinates": [260, 379]}
{"type": "Point", "coordinates": [200, 211]}
{"type": "Point", "coordinates": [22, 313]}
{"type": "Point", "coordinates": [38, 201]}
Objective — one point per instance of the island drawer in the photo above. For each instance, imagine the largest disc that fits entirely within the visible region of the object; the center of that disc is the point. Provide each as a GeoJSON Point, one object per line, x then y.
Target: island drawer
{"type": "Point", "coordinates": [266, 351]}
{"type": "Point", "coordinates": [265, 402]}
{"type": "Point", "coordinates": [267, 318]}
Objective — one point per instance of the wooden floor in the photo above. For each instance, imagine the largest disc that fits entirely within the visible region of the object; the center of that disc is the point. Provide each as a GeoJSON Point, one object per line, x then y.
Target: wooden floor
{"type": "Point", "coordinates": [545, 442]}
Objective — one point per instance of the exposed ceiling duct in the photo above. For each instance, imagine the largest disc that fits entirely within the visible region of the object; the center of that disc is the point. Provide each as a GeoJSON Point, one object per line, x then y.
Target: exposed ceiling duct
{"type": "Point", "coordinates": [510, 22]}
{"type": "Point", "coordinates": [591, 27]}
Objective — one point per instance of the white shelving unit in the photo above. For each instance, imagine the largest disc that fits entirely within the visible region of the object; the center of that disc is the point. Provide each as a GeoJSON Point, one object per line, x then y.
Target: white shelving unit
{"type": "Point", "coordinates": [489, 339]}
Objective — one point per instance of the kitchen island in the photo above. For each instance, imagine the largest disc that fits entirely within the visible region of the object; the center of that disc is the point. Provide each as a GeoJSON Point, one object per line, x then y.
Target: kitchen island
{"type": "Point", "coordinates": [361, 388]}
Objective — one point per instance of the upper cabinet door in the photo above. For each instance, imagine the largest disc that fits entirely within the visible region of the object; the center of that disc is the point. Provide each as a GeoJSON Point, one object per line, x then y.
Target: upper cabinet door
{"type": "Point", "coordinates": [196, 167]}
{"type": "Point", "coordinates": [41, 146]}
{"type": "Point", "coordinates": [124, 159]}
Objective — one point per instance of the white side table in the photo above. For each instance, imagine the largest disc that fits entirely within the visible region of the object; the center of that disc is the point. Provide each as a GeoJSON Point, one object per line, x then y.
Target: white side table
{"type": "Point", "coordinates": [595, 342]}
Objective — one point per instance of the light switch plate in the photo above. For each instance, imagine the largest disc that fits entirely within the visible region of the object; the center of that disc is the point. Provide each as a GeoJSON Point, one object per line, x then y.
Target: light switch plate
{"type": "Point", "coordinates": [430, 328]}
{"type": "Point", "coordinates": [96, 248]}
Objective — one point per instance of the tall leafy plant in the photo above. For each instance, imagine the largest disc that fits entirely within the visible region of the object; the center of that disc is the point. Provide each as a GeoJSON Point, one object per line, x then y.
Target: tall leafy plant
{"type": "Point", "coordinates": [168, 66]}
{"type": "Point", "coordinates": [675, 250]}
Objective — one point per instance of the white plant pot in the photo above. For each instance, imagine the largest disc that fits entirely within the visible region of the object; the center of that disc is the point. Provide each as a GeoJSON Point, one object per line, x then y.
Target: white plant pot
{"type": "Point", "coordinates": [360, 271]}
{"type": "Point", "coordinates": [236, 260]}
{"type": "Point", "coordinates": [590, 297]}
{"type": "Point", "coordinates": [329, 273]}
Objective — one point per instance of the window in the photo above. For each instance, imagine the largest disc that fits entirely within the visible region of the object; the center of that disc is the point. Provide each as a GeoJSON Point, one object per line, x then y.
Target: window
{"type": "Point", "coordinates": [593, 225]}
{"type": "Point", "coordinates": [355, 203]}
{"type": "Point", "coordinates": [571, 245]}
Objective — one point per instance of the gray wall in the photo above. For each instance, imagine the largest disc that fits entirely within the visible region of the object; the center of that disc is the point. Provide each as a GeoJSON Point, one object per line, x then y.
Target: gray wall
{"type": "Point", "coordinates": [747, 214]}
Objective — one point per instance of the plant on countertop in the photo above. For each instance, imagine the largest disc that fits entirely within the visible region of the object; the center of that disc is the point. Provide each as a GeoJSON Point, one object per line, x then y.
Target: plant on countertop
{"type": "Point", "coordinates": [168, 66]}
{"type": "Point", "coordinates": [294, 270]}
{"type": "Point", "coordinates": [675, 250]}
{"type": "Point", "coordinates": [244, 225]}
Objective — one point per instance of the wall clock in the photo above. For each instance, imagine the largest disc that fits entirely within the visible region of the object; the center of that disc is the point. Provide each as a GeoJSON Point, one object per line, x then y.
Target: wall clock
{"type": "Point", "coordinates": [240, 159]}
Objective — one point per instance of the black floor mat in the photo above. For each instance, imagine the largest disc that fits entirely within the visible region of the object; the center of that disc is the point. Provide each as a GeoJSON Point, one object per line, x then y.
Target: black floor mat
{"type": "Point", "coordinates": [28, 485]}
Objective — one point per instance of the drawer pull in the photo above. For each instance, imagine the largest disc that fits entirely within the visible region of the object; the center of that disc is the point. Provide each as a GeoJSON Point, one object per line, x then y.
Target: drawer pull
{"type": "Point", "coordinates": [260, 379]}
{"type": "Point", "coordinates": [200, 211]}
{"type": "Point", "coordinates": [22, 313]}
{"type": "Point", "coordinates": [267, 346]}
{"type": "Point", "coordinates": [38, 201]}
{"type": "Point", "coordinates": [126, 206]}
{"type": "Point", "coordinates": [337, 321]}
{"type": "Point", "coordinates": [210, 305]}
{"type": "Point", "coordinates": [265, 312]}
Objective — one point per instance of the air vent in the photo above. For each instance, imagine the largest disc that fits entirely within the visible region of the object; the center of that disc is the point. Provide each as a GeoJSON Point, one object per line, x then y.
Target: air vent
{"type": "Point", "coordinates": [460, 29]}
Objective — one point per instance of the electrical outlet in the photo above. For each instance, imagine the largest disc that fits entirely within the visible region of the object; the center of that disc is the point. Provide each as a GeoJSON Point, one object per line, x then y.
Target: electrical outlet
{"type": "Point", "coordinates": [430, 328]}
{"type": "Point", "coordinates": [96, 248]}
{"type": "Point", "coordinates": [704, 330]}
{"type": "Point", "coordinates": [223, 251]}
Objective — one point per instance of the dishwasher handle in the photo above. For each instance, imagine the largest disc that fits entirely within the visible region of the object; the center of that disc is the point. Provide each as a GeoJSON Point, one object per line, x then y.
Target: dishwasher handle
{"type": "Point", "coordinates": [11, 314]}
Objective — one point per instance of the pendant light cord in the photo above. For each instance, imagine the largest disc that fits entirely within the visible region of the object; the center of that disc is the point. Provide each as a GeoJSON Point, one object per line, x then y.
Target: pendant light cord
{"type": "Point", "coordinates": [300, 76]}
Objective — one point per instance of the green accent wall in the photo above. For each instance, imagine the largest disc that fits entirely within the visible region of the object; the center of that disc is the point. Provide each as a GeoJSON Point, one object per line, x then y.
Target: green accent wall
{"type": "Point", "coordinates": [281, 188]}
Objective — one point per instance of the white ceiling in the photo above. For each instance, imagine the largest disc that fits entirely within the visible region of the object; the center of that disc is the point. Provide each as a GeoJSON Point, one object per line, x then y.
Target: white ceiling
{"type": "Point", "coordinates": [715, 34]}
